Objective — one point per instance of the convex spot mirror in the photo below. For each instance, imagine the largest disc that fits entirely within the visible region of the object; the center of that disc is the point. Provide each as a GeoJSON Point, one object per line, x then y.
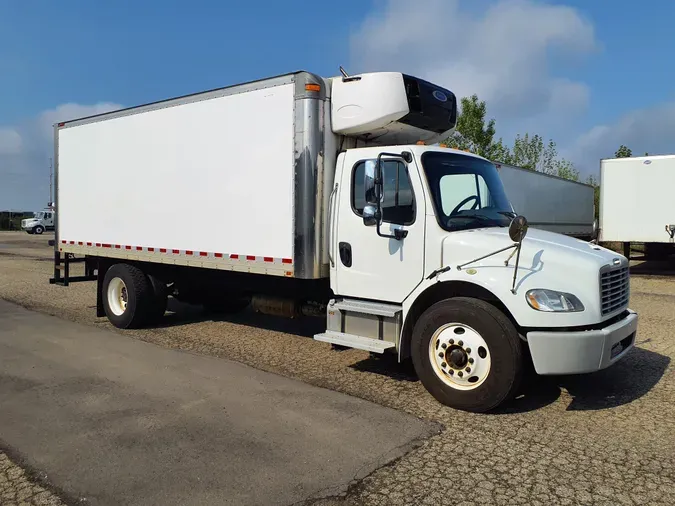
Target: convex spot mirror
{"type": "Point", "coordinates": [518, 228]}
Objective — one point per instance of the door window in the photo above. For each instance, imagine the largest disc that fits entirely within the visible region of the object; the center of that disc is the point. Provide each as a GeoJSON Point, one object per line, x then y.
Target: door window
{"type": "Point", "coordinates": [398, 203]}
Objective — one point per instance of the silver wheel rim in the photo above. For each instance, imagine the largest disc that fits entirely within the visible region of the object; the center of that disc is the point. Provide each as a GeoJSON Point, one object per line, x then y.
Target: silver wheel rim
{"type": "Point", "coordinates": [460, 357]}
{"type": "Point", "coordinates": [118, 297]}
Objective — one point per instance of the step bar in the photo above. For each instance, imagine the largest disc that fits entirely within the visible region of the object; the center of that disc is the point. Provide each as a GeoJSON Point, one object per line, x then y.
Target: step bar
{"type": "Point", "coordinates": [352, 341]}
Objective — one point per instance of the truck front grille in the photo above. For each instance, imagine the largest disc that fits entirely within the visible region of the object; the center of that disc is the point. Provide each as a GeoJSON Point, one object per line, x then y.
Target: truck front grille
{"type": "Point", "coordinates": [614, 289]}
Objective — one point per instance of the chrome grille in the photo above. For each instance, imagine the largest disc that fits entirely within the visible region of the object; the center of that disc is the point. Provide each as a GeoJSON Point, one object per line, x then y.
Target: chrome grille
{"type": "Point", "coordinates": [614, 289]}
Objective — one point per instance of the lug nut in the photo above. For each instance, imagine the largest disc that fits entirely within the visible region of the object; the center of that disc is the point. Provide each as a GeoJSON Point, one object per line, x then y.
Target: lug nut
{"type": "Point", "coordinates": [468, 350]}
{"type": "Point", "coordinates": [440, 355]}
{"type": "Point", "coordinates": [468, 370]}
{"type": "Point", "coordinates": [460, 374]}
{"type": "Point", "coordinates": [460, 343]}
{"type": "Point", "coordinates": [451, 372]}
{"type": "Point", "coordinates": [452, 341]}
{"type": "Point", "coordinates": [443, 364]}
{"type": "Point", "coordinates": [471, 361]}
{"type": "Point", "coordinates": [444, 346]}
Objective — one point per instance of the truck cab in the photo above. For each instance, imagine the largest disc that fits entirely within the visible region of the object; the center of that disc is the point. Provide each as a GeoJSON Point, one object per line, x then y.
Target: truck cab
{"type": "Point", "coordinates": [429, 260]}
{"type": "Point", "coordinates": [40, 222]}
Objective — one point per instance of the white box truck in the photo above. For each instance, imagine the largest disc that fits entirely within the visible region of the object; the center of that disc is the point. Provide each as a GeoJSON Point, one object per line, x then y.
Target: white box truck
{"type": "Point", "coordinates": [550, 202]}
{"type": "Point", "coordinates": [40, 222]}
{"type": "Point", "coordinates": [636, 203]}
{"type": "Point", "coordinates": [302, 195]}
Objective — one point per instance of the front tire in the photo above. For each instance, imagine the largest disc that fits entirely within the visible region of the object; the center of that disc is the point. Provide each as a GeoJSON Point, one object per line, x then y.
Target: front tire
{"type": "Point", "coordinates": [127, 296]}
{"type": "Point", "coordinates": [38, 230]}
{"type": "Point", "coordinates": [467, 354]}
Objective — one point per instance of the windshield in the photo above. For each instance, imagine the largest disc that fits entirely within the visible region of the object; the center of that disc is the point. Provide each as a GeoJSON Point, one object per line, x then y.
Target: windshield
{"type": "Point", "coordinates": [466, 191]}
{"type": "Point", "coordinates": [38, 215]}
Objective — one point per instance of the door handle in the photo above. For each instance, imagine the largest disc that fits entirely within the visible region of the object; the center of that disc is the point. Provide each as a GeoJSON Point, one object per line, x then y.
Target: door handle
{"type": "Point", "coordinates": [345, 253]}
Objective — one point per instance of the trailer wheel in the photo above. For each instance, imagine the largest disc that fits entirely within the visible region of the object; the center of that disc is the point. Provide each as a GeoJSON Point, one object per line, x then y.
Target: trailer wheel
{"type": "Point", "coordinates": [127, 296]}
{"type": "Point", "coordinates": [467, 354]}
{"type": "Point", "coordinates": [38, 230]}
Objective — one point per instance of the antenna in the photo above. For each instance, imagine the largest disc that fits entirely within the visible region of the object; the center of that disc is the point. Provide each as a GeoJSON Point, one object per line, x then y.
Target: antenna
{"type": "Point", "coordinates": [343, 72]}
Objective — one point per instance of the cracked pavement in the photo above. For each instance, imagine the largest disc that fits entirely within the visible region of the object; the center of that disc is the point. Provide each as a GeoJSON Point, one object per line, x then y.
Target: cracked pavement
{"type": "Point", "coordinates": [606, 438]}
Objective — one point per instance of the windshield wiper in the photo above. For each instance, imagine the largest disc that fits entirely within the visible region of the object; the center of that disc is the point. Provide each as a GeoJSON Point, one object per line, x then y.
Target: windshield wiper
{"type": "Point", "coordinates": [477, 217]}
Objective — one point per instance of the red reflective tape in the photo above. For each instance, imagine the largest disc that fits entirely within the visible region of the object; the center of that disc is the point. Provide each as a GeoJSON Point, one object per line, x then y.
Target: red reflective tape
{"type": "Point", "coordinates": [175, 251]}
{"type": "Point", "coordinates": [162, 250]}
{"type": "Point", "coordinates": [139, 248]}
{"type": "Point", "coordinates": [218, 255]}
{"type": "Point", "coordinates": [151, 249]}
{"type": "Point", "coordinates": [268, 259]}
{"type": "Point", "coordinates": [234, 257]}
{"type": "Point", "coordinates": [80, 243]}
{"type": "Point", "coordinates": [287, 261]}
{"type": "Point", "coordinates": [117, 246]}
{"type": "Point", "coordinates": [203, 254]}
{"type": "Point", "coordinates": [88, 244]}
{"type": "Point", "coordinates": [250, 257]}
{"type": "Point", "coordinates": [188, 252]}
{"type": "Point", "coordinates": [107, 245]}
{"type": "Point", "coordinates": [72, 242]}
{"type": "Point", "coordinates": [98, 244]}
{"type": "Point", "coordinates": [127, 247]}
{"type": "Point", "coordinates": [64, 242]}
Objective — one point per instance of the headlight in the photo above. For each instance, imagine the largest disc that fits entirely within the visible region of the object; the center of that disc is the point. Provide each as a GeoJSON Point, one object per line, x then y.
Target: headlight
{"type": "Point", "coordinates": [552, 301]}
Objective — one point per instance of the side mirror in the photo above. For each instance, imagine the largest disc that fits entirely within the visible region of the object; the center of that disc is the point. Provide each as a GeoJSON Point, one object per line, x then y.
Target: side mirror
{"type": "Point", "coordinates": [370, 215]}
{"type": "Point", "coordinates": [518, 229]}
{"type": "Point", "coordinates": [369, 183]}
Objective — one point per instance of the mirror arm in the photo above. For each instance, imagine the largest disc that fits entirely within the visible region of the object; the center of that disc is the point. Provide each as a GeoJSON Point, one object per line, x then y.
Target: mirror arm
{"type": "Point", "coordinates": [406, 156]}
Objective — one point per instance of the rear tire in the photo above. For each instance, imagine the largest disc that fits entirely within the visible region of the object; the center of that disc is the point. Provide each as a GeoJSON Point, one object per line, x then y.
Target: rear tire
{"type": "Point", "coordinates": [127, 296]}
{"type": "Point", "coordinates": [467, 354]}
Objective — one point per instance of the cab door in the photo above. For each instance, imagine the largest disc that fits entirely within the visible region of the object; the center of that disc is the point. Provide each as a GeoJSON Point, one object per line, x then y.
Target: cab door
{"type": "Point", "coordinates": [369, 266]}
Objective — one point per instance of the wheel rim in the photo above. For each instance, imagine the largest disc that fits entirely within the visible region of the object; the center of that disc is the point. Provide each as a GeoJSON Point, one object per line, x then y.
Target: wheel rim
{"type": "Point", "coordinates": [118, 296]}
{"type": "Point", "coordinates": [459, 356]}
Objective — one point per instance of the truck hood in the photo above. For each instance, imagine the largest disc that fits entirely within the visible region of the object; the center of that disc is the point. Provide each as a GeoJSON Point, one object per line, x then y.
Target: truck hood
{"type": "Point", "coordinates": [547, 260]}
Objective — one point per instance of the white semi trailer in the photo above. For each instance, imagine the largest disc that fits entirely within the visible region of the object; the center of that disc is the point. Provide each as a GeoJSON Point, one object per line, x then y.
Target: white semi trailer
{"type": "Point", "coordinates": [550, 202]}
{"type": "Point", "coordinates": [302, 195]}
{"type": "Point", "coordinates": [636, 203]}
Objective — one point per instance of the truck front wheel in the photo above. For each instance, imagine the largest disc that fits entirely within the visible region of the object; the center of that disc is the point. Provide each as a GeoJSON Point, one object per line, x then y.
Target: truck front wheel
{"type": "Point", "coordinates": [127, 296]}
{"type": "Point", "coordinates": [467, 354]}
{"type": "Point", "coordinates": [38, 230]}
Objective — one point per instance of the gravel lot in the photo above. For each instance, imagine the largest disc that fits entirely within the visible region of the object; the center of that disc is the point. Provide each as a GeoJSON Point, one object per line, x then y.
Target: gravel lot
{"type": "Point", "coordinates": [606, 438]}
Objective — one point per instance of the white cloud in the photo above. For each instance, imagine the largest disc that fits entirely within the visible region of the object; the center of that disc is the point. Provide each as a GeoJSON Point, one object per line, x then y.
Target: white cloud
{"type": "Point", "coordinates": [503, 54]}
{"type": "Point", "coordinates": [649, 130]}
{"type": "Point", "coordinates": [10, 141]}
{"type": "Point", "coordinates": [25, 150]}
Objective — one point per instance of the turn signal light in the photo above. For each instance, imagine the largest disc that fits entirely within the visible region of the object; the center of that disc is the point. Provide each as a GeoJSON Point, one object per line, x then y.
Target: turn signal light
{"type": "Point", "coordinates": [313, 87]}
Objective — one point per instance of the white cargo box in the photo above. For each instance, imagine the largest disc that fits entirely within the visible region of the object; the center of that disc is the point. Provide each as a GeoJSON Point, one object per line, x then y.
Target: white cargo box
{"type": "Point", "coordinates": [636, 198]}
{"type": "Point", "coordinates": [229, 179]}
{"type": "Point", "coordinates": [550, 202]}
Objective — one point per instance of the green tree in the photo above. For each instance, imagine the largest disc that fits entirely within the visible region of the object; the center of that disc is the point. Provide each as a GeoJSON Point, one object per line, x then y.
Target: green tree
{"type": "Point", "coordinates": [623, 152]}
{"type": "Point", "coordinates": [472, 132]}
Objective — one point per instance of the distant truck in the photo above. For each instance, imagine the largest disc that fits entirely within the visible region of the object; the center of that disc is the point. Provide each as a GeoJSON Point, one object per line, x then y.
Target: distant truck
{"type": "Point", "coordinates": [40, 222]}
{"type": "Point", "coordinates": [308, 196]}
{"type": "Point", "coordinates": [636, 203]}
{"type": "Point", "coordinates": [551, 203]}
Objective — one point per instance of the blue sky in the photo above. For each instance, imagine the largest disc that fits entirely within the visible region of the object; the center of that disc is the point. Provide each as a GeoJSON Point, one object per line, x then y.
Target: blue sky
{"type": "Point", "coordinates": [586, 74]}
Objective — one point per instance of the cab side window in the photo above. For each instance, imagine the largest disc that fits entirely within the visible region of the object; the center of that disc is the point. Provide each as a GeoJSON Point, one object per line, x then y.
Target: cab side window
{"type": "Point", "coordinates": [398, 206]}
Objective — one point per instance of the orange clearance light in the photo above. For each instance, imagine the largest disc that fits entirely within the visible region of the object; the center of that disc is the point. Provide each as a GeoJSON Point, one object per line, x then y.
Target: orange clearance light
{"type": "Point", "coordinates": [313, 87]}
{"type": "Point", "coordinates": [420, 143]}
{"type": "Point", "coordinates": [442, 145]}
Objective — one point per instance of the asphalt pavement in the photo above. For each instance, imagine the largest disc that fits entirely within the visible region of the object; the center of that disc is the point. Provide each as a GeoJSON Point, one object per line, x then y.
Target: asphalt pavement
{"type": "Point", "coordinates": [113, 420]}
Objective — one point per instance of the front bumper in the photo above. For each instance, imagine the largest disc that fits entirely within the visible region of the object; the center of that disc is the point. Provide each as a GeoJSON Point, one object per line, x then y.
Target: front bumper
{"type": "Point", "coordinates": [578, 352]}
